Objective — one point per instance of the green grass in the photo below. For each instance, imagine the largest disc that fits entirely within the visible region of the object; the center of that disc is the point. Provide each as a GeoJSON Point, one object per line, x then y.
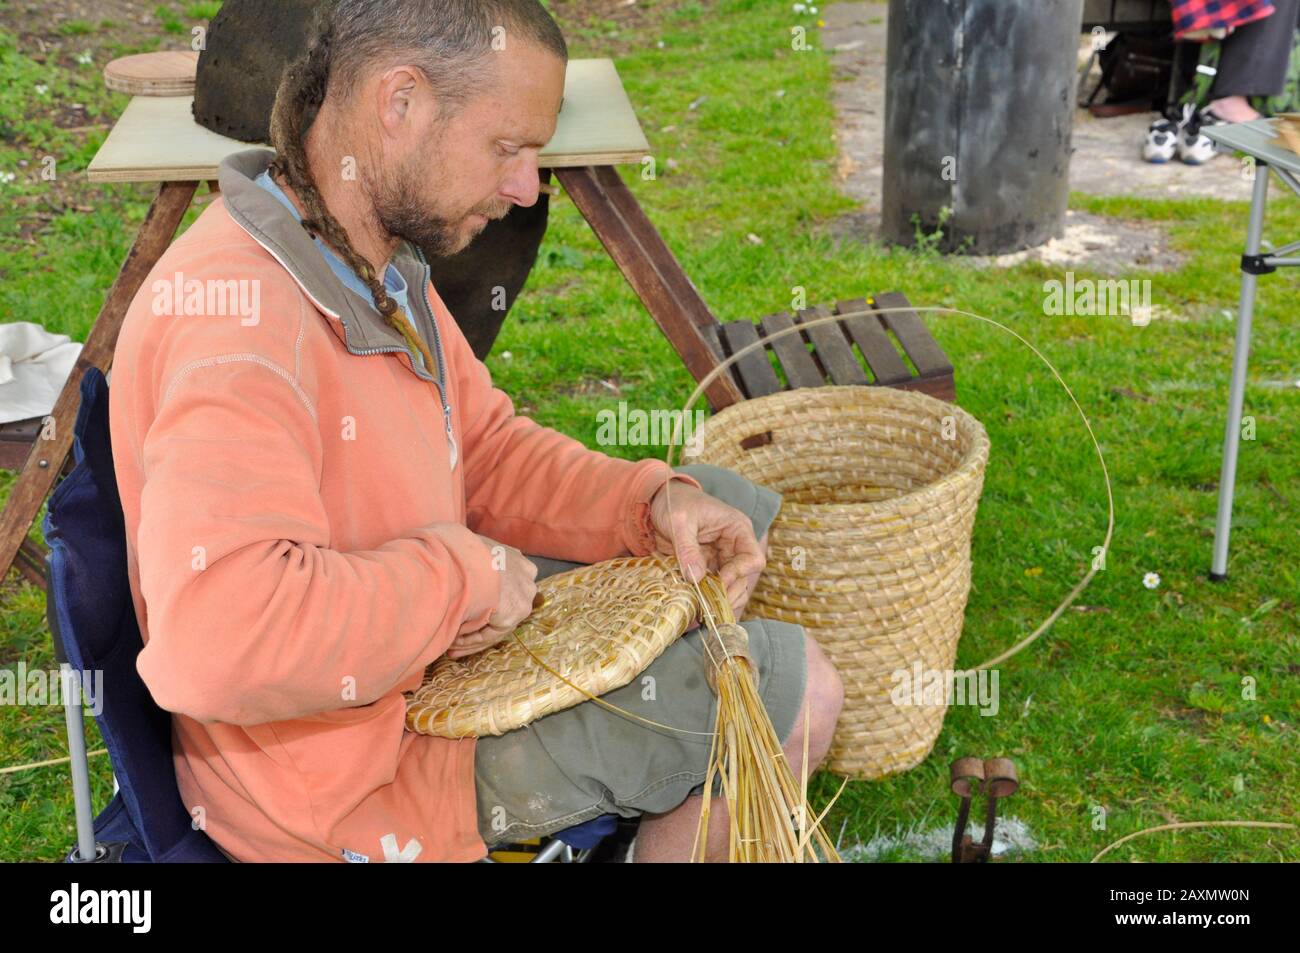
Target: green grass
{"type": "Point", "coordinates": [1134, 706]}
{"type": "Point", "coordinates": [203, 11]}
{"type": "Point", "coordinates": [168, 19]}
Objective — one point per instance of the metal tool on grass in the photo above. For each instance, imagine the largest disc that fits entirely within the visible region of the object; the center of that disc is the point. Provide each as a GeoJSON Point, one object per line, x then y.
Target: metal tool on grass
{"type": "Point", "coordinates": [995, 778]}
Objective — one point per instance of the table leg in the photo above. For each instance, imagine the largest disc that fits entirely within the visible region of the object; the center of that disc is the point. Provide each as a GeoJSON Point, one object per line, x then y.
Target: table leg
{"type": "Point", "coordinates": [655, 275]}
{"type": "Point", "coordinates": [54, 443]}
{"type": "Point", "coordinates": [30, 562]}
{"type": "Point", "coordinates": [1237, 386]}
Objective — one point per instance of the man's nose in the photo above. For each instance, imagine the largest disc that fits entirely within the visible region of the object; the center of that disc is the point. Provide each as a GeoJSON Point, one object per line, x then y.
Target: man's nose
{"type": "Point", "coordinates": [524, 184]}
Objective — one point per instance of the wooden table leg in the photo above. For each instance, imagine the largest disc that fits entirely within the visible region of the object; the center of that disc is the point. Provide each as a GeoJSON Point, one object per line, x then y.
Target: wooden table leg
{"type": "Point", "coordinates": [655, 275]}
{"type": "Point", "coordinates": [30, 562]}
{"type": "Point", "coordinates": [54, 444]}
{"type": "Point", "coordinates": [30, 559]}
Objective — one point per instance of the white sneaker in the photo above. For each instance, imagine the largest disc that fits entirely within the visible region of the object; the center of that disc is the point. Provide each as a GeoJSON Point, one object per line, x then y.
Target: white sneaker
{"type": "Point", "coordinates": [1194, 147]}
{"type": "Point", "coordinates": [1162, 141]}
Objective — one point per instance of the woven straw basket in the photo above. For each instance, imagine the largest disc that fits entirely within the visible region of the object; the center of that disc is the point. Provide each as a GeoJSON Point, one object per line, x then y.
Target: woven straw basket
{"type": "Point", "coordinates": [600, 627]}
{"type": "Point", "coordinates": [871, 549]}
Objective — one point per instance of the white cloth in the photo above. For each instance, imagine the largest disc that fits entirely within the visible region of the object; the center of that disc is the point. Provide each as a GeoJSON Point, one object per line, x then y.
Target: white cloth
{"type": "Point", "coordinates": [34, 365]}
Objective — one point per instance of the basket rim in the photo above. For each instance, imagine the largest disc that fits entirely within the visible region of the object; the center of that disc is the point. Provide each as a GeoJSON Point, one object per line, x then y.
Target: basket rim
{"type": "Point", "coordinates": [971, 467]}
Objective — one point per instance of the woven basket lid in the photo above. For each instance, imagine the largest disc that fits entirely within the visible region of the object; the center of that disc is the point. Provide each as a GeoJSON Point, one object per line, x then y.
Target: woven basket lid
{"type": "Point", "coordinates": [600, 627]}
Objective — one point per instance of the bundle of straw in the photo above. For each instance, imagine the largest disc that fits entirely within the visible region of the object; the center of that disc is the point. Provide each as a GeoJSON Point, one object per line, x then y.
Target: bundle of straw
{"type": "Point", "coordinates": [767, 809]}
{"type": "Point", "coordinates": [1288, 127]}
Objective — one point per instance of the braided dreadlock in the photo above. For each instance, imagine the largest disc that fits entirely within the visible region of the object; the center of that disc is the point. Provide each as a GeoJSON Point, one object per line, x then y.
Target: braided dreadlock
{"type": "Point", "coordinates": [449, 40]}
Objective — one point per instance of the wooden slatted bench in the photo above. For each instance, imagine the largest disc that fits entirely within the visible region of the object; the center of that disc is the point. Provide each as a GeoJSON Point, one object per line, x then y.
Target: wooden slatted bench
{"type": "Point", "coordinates": [892, 350]}
{"type": "Point", "coordinates": [825, 354]}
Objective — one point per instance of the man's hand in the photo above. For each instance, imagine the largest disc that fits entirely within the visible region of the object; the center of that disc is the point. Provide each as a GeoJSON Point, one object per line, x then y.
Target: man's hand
{"type": "Point", "coordinates": [708, 535]}
{"type": "Point", "coordinates": [515, 605]}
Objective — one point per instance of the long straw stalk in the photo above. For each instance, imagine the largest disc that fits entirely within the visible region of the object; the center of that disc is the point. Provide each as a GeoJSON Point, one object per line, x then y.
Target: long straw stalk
{"type": "Point", "coordinates": [767, 808]}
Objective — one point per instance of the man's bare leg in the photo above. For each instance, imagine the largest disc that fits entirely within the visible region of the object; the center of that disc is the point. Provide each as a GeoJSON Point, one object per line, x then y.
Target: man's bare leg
{"type": "Point", "coordinates": [668, 838]}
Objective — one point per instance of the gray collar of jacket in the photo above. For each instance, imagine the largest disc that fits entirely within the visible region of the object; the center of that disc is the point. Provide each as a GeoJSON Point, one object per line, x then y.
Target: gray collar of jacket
{"type": "Point", "coordinates": [273, 227]}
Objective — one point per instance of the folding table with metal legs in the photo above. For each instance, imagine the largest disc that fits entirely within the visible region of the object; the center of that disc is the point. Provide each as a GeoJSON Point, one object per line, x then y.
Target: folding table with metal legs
{"type": "Point", "coordinates": [1257, 139]}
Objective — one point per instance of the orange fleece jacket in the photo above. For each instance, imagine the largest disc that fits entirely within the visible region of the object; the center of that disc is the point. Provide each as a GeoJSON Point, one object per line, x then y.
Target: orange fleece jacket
{"type": "Point", "coordinates": [300, 549]}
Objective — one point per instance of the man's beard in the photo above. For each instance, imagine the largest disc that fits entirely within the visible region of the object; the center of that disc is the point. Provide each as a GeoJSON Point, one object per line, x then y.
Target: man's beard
{"type": "Point", "coordinates": [399, 212]}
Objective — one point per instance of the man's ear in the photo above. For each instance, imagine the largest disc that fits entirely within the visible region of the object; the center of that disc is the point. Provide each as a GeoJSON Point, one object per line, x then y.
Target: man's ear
{"type": "Point", "coordinates": [395, 97]}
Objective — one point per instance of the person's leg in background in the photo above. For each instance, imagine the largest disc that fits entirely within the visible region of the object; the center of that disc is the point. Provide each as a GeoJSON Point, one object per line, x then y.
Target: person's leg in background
{"type": "Point", "coordinates": [1253, 62]}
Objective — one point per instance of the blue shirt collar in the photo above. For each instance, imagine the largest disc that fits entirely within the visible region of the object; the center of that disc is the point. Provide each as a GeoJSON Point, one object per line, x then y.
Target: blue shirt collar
{"type": "Point", "coordinates": [393, 280]}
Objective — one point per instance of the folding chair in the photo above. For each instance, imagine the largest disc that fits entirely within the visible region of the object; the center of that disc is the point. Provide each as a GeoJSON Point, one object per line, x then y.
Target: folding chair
{"type": "Point", "coordinates": [93, 622]}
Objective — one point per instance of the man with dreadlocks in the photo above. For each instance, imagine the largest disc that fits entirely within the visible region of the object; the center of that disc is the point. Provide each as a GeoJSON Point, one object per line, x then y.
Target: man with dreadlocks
{"type": "Point", "coordinates": [324, 493]}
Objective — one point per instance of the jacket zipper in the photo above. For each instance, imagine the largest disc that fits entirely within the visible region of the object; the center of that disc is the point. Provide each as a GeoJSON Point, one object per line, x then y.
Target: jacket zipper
{"type": "Point", "coordinates": [452, 448]}
{"type": "Point", "coordinates": [437, 345]}
{"type": "Point", "coordinates": [440, 382]}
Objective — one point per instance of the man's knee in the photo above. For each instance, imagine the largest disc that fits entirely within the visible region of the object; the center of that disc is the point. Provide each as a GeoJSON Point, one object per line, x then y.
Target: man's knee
{"type": "Point", "coordinates": [823, 702]}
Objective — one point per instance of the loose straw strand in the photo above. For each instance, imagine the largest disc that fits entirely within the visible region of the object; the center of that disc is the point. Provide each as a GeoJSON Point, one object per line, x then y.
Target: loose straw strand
{"type": "Point", "coordinates": [45, 764]}
{"type": "Point", "coordinates": [1188, 825]}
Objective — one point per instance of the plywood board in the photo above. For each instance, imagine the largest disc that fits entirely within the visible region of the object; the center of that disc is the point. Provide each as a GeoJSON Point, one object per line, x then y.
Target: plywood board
{"type": "Point", "coordinates": [157, 139]}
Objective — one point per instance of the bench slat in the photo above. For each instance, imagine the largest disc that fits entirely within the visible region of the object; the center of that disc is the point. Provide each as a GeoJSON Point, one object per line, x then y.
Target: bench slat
{"type": "Point", "coordinates": [754, 370]}
{"type": "Point", "coordinates": [710, 334]}
{"type": "Point", "coordinates": [873, 341]}
{"type": "Point", "coordinates": [833, 348]}
{"type": "Point", "coordinates": [924, 350]}
{"type": "Point", "coordinates": [800, 369]}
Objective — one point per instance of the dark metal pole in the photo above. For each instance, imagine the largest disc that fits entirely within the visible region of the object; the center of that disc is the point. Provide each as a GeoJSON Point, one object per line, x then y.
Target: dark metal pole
{"type": "Point", "coordinates": [979, 107]}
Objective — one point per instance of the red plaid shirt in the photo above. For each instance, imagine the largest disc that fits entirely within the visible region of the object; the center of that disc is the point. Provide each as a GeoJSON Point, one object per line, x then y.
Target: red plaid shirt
{"type": "Point", "coordinates": [1190, 15]}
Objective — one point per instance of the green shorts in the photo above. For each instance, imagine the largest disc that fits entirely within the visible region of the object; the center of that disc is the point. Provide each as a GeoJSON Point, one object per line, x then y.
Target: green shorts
{"type": "Point", "coordinates": [575, 765]}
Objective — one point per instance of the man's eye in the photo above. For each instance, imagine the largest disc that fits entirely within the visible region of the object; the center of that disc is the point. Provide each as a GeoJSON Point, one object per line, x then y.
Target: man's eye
{"type": "Point", "coordinates": [502, 150]}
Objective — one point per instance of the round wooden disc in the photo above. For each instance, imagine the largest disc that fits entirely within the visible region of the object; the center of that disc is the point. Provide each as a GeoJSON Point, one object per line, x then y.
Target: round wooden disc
{"type": "Point", "coordinates": [170, 73]}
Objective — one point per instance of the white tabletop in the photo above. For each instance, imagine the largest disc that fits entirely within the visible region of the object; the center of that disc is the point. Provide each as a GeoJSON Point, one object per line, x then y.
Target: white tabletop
{"type": "Point", "coordinates": [157, 139]}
